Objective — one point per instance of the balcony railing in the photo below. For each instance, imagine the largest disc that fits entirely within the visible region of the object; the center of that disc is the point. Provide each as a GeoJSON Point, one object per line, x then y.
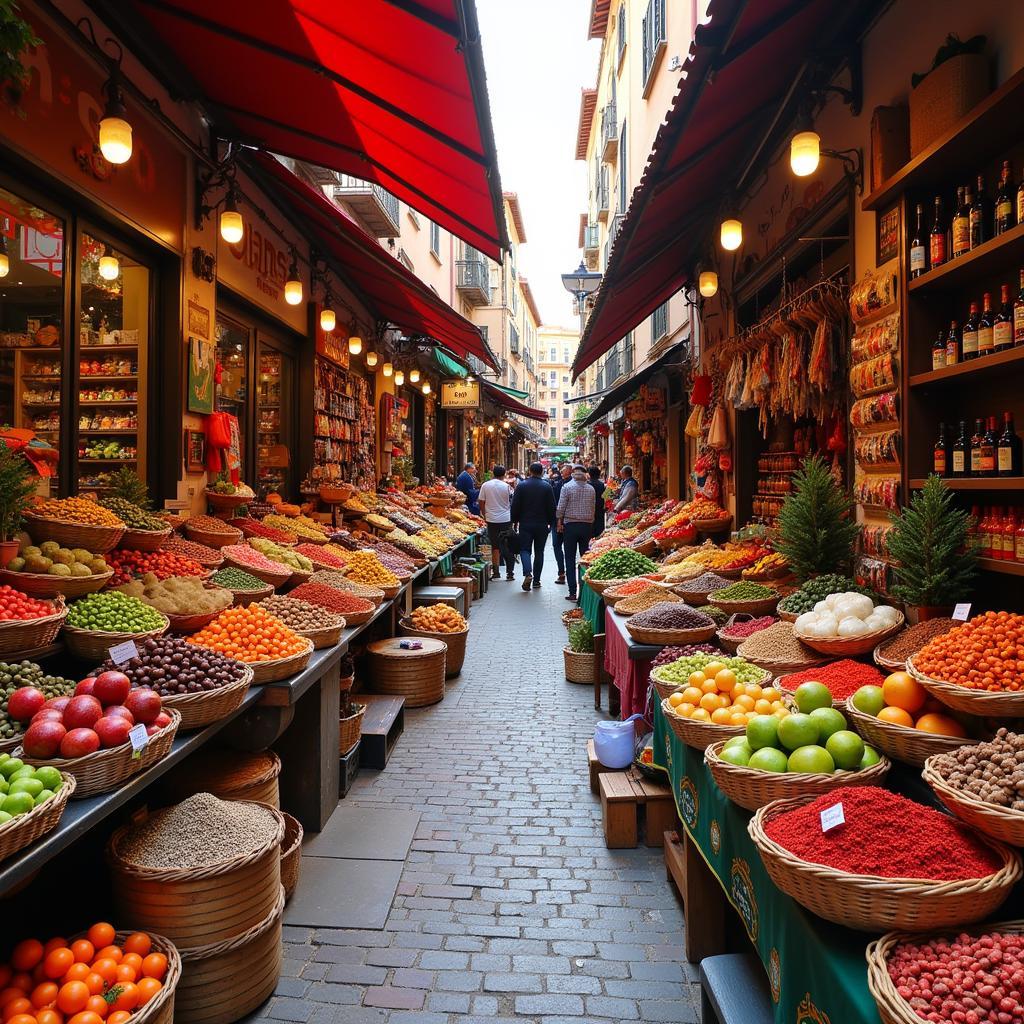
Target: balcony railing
{"type": "Point", "coordinates": [376, 207]}
{"type": "Point", "coordinates": [614, 228]}
{"type": "Point", "coordinates": [627, 355]}
{"type": "Point", "coordinates": [604, 195]}
{"type": "Point", "coordinates": [612, 367]}
{"type": "Point", "coordinates": [609, 133]}
{"type": "Point", "coordinates": [473, 279]}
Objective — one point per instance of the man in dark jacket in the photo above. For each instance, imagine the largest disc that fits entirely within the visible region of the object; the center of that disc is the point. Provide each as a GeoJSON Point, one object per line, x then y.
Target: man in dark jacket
{"type": "Point", "coordinates": [466, 482]}
{"type": "Point", "coordinates": [565, 474]}
{"type": "Point", "coordinates": [599, 487]}
{"type": "Point", "coordinates": [533, 508]}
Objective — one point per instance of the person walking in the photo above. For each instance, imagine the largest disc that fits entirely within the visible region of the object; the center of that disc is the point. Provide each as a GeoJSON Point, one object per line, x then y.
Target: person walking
{"type": "Point", "coordinates": [466, 482]}
{"type": "Point", "coordinates": [533, 510]}
{"type": "Point", "coordinates": [575, 515]}
{"type": "Point", "coordinates": [594, 472]}
{"type": "Point", "coordinates": [564, 475]}
{"type": "Point", "coordinates": [629, 492]}
{"type": "Point", "coordinates": [496, 507]}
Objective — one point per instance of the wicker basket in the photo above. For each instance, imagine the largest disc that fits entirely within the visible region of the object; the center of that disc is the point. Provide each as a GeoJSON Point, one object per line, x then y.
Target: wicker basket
{"type": "Point", "coordinates": [160, 1009]}
{"type": "Point", "coordinates": [892, 1007]}
{"type": "Point", "coordinates": [143, 540]}
{"type": "Point", "coordinates": [912, 746]}
{"type": "Point", "coordinates": [732, 643]}
{"type": "Point", "coordinates": [105, 770]}
{"type": "Point", "coordinates": [752, 789]}
{"type": "Point", "coordinates": [766, 606]}
{"type": "Point", "coordinates": [647, 547]}
{"type": "Point", "coordinates": [418, 676]}
{"type": "Point", "coordinates": [571, 617]}
{"type": "Point", "coordinates": [300, 576]}
{"type": "Point", "coordinates": [194, 623]}
{"type": "Point", "coordinates": [712, 525]}
{"type": "Point", "coordinates": [43, 585]}
{"type": "Point", "coordinates": [623, 607]}
{"type": "Point", "coordinates": [849, 646]}
{"type": "Point", "coordinates": [350, 729]}
{"type": "Point", "coordinates": [671, 543]}
{"type": "Point", "coordinates": [230, 775]}
{"type": "Point", "coordinates": [1000, 823]}
{"type": "Point", "coordinates": [99, 539]}
{"type": "Point", "coordinates": [213, 539]}
{"type": "Point", "coordinates": [600, 586]}
{"type": "Point", "coordinates": [273, 577]}
{"type": "Point", "coordinates": [291, 854]}
{"type": "Point", "coordinates": [340, 582]}
{"type": "Point", "coordinates": [786, 616]}
{"type": "Point", "coordinates": [226, 502]}
{"type": "Point", "coordinates": [244, 597]}
{"type": "Point", "coordinates": [692, 597]}
{"type": "Point", "coordinates": [698, 735]}
{"type": "Point", "coordinates": [18, 635]}
{"type": "Point", "coordinates": [26, 828]}
{"type": "Point", "coordinates": [971, 702]}
{"type": "Point", "coordinates": [201, 709]}
{"type": "Point", "coordinates": [779, 668]}
{"type": "Point", "coordinates": [456, 656]}
{"type": "Point", "coordinates": [579, 665]}
{"type": "Point", "coordinates": [197, 906]}
{"type": "Point", "coordinates": [669, 637]}
{"type": "Point", "coordinates": [325, 636]}
{"type": "Point", "coordinates": [665, 688]}
{"type": "Point", "coordinates": [93, 644]}
{"type": "Point", "coordinates": [886, 663]}
{"type": "Point", "coordinates": [281, 668]}
{"type": "Point", "coordinates": [871, 903]}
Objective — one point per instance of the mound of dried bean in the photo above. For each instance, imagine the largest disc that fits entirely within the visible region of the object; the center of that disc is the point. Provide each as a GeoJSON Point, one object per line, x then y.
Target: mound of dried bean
{"type": "Point", "coordinates": [646, 599]}
{"type": "Point", "coordinates": [302, 615]}
{"type": "Point", "coordinates": [706, 583]}
{"type": "Point", "coordinates": [667, 655]}
{"type": "Point", "coordinates": [777, 643]}
{"type": "Point", "coordinates": [173, 667]}
{"type": "Point", "coordinates": [667, 615]}
{"type": "Point", "coordinates": [911, 640]}
{"type": "Point", "coordinates": [992, 771]}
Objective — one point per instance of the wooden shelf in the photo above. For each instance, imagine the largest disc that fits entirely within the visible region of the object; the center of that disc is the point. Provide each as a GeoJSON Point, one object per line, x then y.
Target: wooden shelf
{"type": "Point", "coordinates": [1002, 253]}
{"type": "Point", "coordinates": [105, 432]}
{"type": "Point", "coordinates": [119, 461]}
{"type": "Point", "coordinates": [980, 367]}
{"type": "Point", "coordinates": [108, 348]}
{"type": "Point", "coordinates": [958, 153]}
{"type": "Point", "coordinates": [999, 565]}
{"type": "Point", "coordinates": [132, 402]}
{"type": "Point", "coordinates": [984, 483]}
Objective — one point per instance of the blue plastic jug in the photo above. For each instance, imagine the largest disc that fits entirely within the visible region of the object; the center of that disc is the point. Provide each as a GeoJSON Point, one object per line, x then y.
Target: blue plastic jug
{"type": "Point", "coordinates": [615, 742]}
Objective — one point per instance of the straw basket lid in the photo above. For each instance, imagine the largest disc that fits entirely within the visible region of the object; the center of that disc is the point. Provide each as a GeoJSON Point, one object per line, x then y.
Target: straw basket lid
{"type": "Point", "coordinates": [391, 649]}
{"type": "Point", "coordinates": [872, 902]}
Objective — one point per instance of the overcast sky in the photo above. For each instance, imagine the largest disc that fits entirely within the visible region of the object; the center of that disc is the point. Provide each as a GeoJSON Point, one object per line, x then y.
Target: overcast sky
{"type": "Point", "coordinates": [538, 58]}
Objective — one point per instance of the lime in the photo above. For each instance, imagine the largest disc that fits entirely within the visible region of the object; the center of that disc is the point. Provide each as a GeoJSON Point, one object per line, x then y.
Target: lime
{"type": "Point", "coordinates": [870, 757]}
{"type": "Point", "coordinates": [30, 785]}
{"type": "Point", "coordinates": [49, 777]}
{"type": "Point", "coordinates": [24, 772]}
{"type": "Point", "coordinates": [10, 766]}
{"type": "Point", "coordinates": [811, 695]}
{"type": "Point", "coordinates": [828, 720]}
{"type": "Point", "coordinates": [736, 755]}
{"type": "Point", "coordinates": [798, 731]}
{"type": "Point", "coordinates": [768, 759]}
{"type": "Point", "coordinates": [846, 748]}
{"type": "Point", "coordinates": [763, 731]}
{"type": "Point", "coordinates": [870, 700]}
{"type": "Point", "coordinates": [738, 742]}
{"type": "Point", "coordinates": [43, 797]}
{"type": "Point", "coordinates": [812, 758]}
{"type": "Point", "coordinates": [18, 803]}
{"type": "Point", "coordinates": [5, 817]}
{"type": "Point", "coordinates": [4, 784]}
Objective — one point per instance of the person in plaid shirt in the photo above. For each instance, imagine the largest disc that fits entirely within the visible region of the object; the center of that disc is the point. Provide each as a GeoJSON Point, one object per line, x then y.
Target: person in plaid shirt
{"type": "Point", "coordinates": [575, 514]}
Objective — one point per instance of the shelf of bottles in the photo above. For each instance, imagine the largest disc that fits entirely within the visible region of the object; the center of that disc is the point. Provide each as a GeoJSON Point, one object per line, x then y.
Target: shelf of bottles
{"type": "Point", "coordinates": [271, 475]}
{"type": "Point", "coordinates": [342, 426]}
{"type": "Point", "coordinates": [774, 481]}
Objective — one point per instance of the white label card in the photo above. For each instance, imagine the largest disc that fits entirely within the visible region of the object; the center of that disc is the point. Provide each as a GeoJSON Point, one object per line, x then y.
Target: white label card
{"type": "Point", "coordinates": [123, 653]}
{"type": "Point", "coordinates": [832, 817]}
{"type": "Point", "coordinates": [962, 612]}
{"type": "Point", "coordinates": [139, 739]}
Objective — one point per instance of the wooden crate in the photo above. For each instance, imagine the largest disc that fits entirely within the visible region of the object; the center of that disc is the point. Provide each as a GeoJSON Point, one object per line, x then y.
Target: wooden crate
{"type": "Point", "coordinates": [627, 795]}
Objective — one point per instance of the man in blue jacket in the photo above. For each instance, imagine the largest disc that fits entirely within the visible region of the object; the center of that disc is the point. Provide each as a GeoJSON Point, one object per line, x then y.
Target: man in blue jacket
{"type": "Point", "coordinates": [533, 508]}
{"type": "Point", "coordinates": [466, 482]}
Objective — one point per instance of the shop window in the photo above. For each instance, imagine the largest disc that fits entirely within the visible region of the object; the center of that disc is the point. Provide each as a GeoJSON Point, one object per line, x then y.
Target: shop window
{"type": "Point", "coordinates": [233, 389]}
{"type": "Point", "coordinates": [273, 421]}
{"type": "Point", "coordinates": [435, 239]}
{"type": "Point", "coordinates": [32, 335]}
{"type": "Point", "coordinates": [113, 336]}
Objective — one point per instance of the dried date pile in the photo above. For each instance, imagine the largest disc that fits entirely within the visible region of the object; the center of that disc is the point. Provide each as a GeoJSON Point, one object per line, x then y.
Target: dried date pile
{"type": "Point", "coordinates": [992, 771]}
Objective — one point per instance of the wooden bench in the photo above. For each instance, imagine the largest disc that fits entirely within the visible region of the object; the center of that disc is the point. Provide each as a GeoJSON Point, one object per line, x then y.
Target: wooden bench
{"type": "Point", "coordinates": [594, 766]}
{"type": "Point", "coordinates": [383, 723]}
{"type": "Point", "coordinates": [623, 794]}
{"type": "Point", "coordinates": [734, 990]}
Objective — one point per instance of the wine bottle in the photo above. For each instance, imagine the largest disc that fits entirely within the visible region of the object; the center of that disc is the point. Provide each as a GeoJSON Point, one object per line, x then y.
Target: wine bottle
{"type": "Point", "coordinates": [918, 253]}
{"type": "Point", "coordinates": [953, 349]}
{"type": "Point", "coordinates": [969, 338]}
{"type": "Point", "coordinates": [961, 453]}
{"type": "Point", "coordinates": [1020, 220]}
{"type": "Point", "coordinates": [1008, 449]}
{"type": "Point", "coordinates": [1002, 326]}
{"type": "Point", "coordinates": [937, 237]}
{"type": "Point", "coordinates": [981, 215]}
{"type": "Point", "coordinates": [1018, 314]}
{"type": "Point", "coordinates": [941, 455]}
{"type": "Point", "coordinates": [988, 448]}
{"type": "Point", "coordinates": [961, 228]}
{"type": "Point", "coordinates": [985, 325]}
{"type": "Point", "coordinates": [1005, 201]}
{"type": "Point", "coordinates": [976, 439]}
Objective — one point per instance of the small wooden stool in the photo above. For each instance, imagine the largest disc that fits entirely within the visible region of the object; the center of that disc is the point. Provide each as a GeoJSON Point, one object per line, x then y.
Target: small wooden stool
{"type": "Point", "coordinates": [594, 766]}
{"type": "Point", "coordinates": [622, 796]}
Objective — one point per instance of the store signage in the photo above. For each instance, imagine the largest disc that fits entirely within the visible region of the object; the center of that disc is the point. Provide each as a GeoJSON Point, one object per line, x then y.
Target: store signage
{"type": "Point", "coordinates": [123, 653]}
{"type": "Point", "coordinates": [460, 394]}
{"type": "Point", "coordinates": [962, 612]}
{"type": "Point", "coordinates": [332, 345]}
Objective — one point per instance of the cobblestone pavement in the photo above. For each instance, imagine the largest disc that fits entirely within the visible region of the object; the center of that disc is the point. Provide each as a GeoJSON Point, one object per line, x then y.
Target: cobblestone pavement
{"type": "Point", "coordinates": [510, 907]}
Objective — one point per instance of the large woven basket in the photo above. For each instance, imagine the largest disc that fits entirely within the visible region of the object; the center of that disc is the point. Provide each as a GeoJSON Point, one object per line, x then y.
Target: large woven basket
{"type": "Point", "coordinates": [625, 608]}
{"type": "Point", "coordinates": [350, 729]}
{"type": "Point", "coordinates": [892, 1007]}
{"type": "Point", "coordinates": [43, 585]}
{"type": "Point", "coordinates": [93, 644]}
{"type": "Point", "coordinates": [1002, 823]}
{"type": "Point", "coordinates": [160, 1009]}
{"type": "Point", "coordinates": [230, 775]}
{"type": "Point", "coordinates": [418, 676]}
{"type": "Point", "coordinates": [971, 702]}
{"type": "Point", "coordinates": [26, 828]}
{"type": "Point", "coordinates": [143, 540]}
{"type": "Point", "coordinates": [201, 709]}
{"type": "Point", "coordinates": [105, 770]}
{"type": "Point", "coordinates": [572, 617]}
{"type": "Point", "coordinates": [888, 664]}
{"type": "Point", "coordinates": [246, 526]}
{"type": "Point", "coordinates": [712, 525]}
{"type": "Point", "coordinates": [600, 586]}
{"type": "Point", "coordinates": [99, 539]}
{"type": "Point", "coordinates": [698, 735]}
{"type": "Point", "coordinates": [666, 687]}
{"type": "Point", "coordinates": [871, 903]}
{"type": "Point", "coordinates": [786, 616]}
{"type": "Point", "coordinates": [912, 746]}
{"type": "Point", "coordinates": [30, 634]}
{"type": "Point", "coordinates": [669, 637]}
{"type": "Point", "coordinates": [693, 597]}
{"type": "Point", "coordinates": [226, 502]}
{"type": "Point", "coordinates": [766, 606]}
{"type": "Point", "coordinates": [456, 642]}
{"type": "Point", "coordinates": [752, 789]}
{"type": "Point", "coordinates": [340, 582]}
{"type": "Point", "coordinates": [194, 623]}
{"type": "Point", "coordinates": [779, 668]}
{"type": "Point", "coordinates": [291, 854]}
{"type": "Point", "coordinates": [272, 576]}
{"type": "Point", "coordinates": [325, 636]}
{"type": "Point", "coordinates": [849, 646]}
{"type": "Point", "coordinates": [281, 668]}
{"type": "Point", "coordinates": [579, 665]}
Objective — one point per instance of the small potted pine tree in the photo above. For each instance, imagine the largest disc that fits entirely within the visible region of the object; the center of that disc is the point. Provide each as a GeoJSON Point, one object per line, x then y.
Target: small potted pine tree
{"type": "Point", "coordinates": [579, 653]}
{"type": "Point", "coordinates": [16, 489]}
{"type": "Point", "coordinates": [935, 559]}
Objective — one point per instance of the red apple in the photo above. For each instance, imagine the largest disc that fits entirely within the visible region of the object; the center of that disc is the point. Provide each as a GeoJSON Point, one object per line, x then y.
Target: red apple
{"type": "Point", "coordinates": [48, 715]}
{"type": "Point", "coordinates": [119, 711]}
{"type": "Point", "coordinates": [60, 703]}
{"type": "Point", "coordinates": [144, 704]}
{"type": "Point", "coordinates": [84, 688]}
{"type": "Point", "coordinates": [82, 712]}
{"type": "Point", "coordinates": [112, 730]}
{"type": "Point", "coordinates": [25, 702]}
{"type": "Point", "coordinates": [79, 742]}
{"type": "Point", "coordinates": [162, 720]}
{"type": "Point", "coordinates": [111, 687]}
{"type": "Point", "coordinates": [43, 739]}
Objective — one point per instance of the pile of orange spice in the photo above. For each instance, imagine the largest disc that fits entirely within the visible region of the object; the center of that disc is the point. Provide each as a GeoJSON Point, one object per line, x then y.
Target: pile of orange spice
{"type": "Point", "coordinates": [249, 634]}
{"type": "Point", "coordinates": [986, 653]}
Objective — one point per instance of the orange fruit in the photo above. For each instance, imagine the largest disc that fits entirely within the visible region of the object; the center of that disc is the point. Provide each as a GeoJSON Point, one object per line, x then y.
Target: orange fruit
{"type": "Point", "coordinates": [684, 709]}
{"type": "Point", "coordinates": [763, 706]}
{"type": "Point", "coordinates": [896, 716]}
{"type": "Point", "coordinates": [27, 954]}
{"type": "Point", "coordinates": [709, 701]}
{"type": "Point", "coordinates": [745, 702]}
{"type": "Point", "coordinates": [726, 679]}
{"type": "Point", "coordinates": [138, 943]}
{"type": "Point", "coordinates": [738, 718]}
{"type": "Point", "coordinates": [696, 679]}
{"type": "Point", "coordinates": [708, 686]}
{"type": "Point", "coordinates": [901, 690]}
{"type": "Point", "coordinates": [721, 716]}
{"type": "Point", "coordinates": [675, 699]}
{"type": "Point", "coordinates": [940, 725]}
{"type": "Point", "coordinates": [701, 715]}
{"type": "Point", "coordinates": [712, 668]}
{"type": "Point", "coordinates": [101, 934]}
{"type": "Point", "coordinates": [692, 694]}
{"type": "Point", "coordinates": [755, 691]}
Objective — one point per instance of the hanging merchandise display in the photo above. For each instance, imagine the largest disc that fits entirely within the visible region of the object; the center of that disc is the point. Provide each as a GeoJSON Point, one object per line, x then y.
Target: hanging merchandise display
{"type": "Point", "coordinates": [343, 443]}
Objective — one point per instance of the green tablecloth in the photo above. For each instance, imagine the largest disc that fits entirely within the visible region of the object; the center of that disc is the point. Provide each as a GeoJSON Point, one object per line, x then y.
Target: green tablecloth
{"type": "Point", "coordinates": [591, 603]}
{"type": "Point", "coordinates": [816, 969]}
{"type": "Point", "coordinates": [445, 564]}
{"type": "Point", "coordinates": [473, 543]}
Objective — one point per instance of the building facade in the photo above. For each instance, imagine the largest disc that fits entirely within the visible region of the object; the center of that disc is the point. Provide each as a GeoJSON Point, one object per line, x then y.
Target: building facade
{"type": "Point", "coordinates": [556, 347]}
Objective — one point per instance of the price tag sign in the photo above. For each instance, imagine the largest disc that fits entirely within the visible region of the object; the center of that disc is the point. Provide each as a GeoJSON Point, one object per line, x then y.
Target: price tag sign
{"type": "Point", "coordinates": [139, 740]}
{"type": "Point", "coordinates": [832, 817]}
{"type": "Point", "coordinates": [962, 612]}
{"type": "Point", "coordinates": [123, 653]}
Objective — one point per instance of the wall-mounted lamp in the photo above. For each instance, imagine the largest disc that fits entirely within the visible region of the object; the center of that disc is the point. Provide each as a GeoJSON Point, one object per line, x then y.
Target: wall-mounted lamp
{"type": "Point", "coordinates": [708, 283]}
{"type": "Point", "coordinates": [414, 376]}
{"type": "Point", "coordinates": [109, 266]}
{"type": "Point", "coordinates": [387, 369]}
{"type": "Point", "coordinates": [426, 387]}
{"type": "Point", "coordinates": [731, 234]}
{"type": "Point", "coordinates": [355, 345]}
{"type": "Point", "coordinates": [232, 227]}
{"type": "Point", "coordinates": [293, 286]}
{"type": "Point", "coordinates": [371, 359]}
{"type": "Point", "coordinates": [5, 260]}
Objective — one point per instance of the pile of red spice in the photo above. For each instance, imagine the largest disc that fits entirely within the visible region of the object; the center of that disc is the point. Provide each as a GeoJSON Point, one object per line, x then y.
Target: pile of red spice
{"type": "Point", "coordinates": [843, 678]}
{"type": "Point", "coordinates": [334, 600]}
{"type": "Point", "coordinates": [885, 835]}
{"type": "Point", "coordinates": [750, 627]}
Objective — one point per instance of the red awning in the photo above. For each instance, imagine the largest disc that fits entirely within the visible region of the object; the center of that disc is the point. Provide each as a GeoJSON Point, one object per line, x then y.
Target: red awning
{"type": "Point", "coordinates": [741, 68]}
{"type": "Point", "coordinates": [499, 397]}
{"type": "Point", "coordinates": [391, 92]}
{"type": "Point", "coordinates": [392, 292]}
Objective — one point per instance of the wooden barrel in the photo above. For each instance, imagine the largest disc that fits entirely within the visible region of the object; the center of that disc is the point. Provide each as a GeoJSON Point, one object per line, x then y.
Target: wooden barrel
{"type": "Point", "coordinates": [231, 775]}
{"type": "Point", "coordinates": [418, 676]}
{"type": "Point", "coordinates": [456, 642]}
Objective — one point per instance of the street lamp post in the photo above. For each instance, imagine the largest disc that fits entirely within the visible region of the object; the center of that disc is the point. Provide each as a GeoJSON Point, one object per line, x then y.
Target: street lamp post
{"type": "Point", "coordinates": [581, 283]}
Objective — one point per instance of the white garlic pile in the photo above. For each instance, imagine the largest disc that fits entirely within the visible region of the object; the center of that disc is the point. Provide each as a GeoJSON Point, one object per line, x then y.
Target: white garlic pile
{"type": "Point", "coordinates": [845, 615]}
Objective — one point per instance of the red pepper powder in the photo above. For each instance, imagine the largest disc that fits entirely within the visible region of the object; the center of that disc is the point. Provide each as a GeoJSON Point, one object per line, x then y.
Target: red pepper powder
{"type": "Point", "coordinates": [885, 835]}
{"type": "Point", "coordinates": [843, 678]}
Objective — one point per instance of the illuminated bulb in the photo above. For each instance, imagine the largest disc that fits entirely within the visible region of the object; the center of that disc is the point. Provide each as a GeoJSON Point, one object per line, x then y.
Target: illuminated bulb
{"type": "Point", "coordinates": [414, 376]}
{"type": "Point", "coordinates": [371, 359]}
{"type": "Point", "coordinates": [231, 227]}
{"type": "Point", "coordinates": [109, 266]}
{"type": "Point", "coordinates": [708, 283]}
{"type": "Point", "coordinates": [115, 136]}
{"type": "Point", "coordinates": [490, 428]}
{"type": "Point", "coordinates": [399, 378]}
{"type": "Point", "coordinates": [506, 424]}
{"type": "Point", "coordinates": [804, 153]}
{"type": "Point", "coordinates": [387, 369]}
{"type": "Point", "coordinates": [328, 320]}
{"type": "Point", "coordinates": [5, 260]}
{"type": "Point", "coordinates": [426, 387]}
{"type": "Point", "coordinates": [732, 234]}
{"type": "Point", "coordinates": [355, 345]}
